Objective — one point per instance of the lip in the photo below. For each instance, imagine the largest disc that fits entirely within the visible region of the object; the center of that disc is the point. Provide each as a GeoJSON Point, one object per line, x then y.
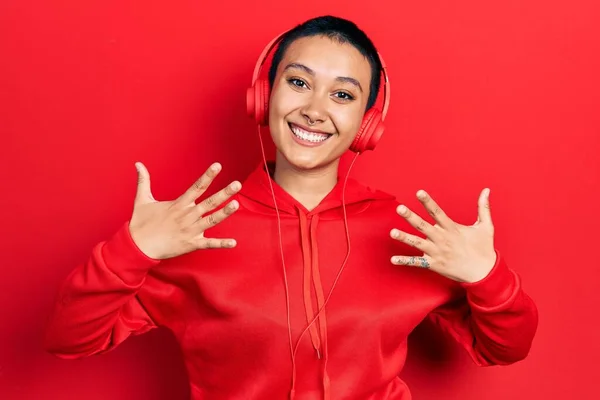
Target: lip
{"type": "Point", "coordinates": [309, 129]}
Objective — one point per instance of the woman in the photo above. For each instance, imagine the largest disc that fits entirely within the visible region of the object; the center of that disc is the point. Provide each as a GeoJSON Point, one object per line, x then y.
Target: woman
{"type": "Point", "coordinates": [280, 309]}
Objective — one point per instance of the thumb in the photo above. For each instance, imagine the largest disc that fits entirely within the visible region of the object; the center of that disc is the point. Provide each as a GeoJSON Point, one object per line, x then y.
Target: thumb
{"type": "Point", "coordinates": [143, 193]}
{"type": "Point", "coordinates": [484, 214]}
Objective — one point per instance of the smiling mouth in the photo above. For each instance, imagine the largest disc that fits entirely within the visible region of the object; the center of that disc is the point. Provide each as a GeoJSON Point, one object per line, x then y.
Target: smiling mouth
{"type": "Point", "coordinates": [307, 136]}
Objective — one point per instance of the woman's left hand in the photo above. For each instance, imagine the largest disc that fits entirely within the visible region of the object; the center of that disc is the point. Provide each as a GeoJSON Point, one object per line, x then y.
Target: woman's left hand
{"type": "Point", "coordinates": [459, 252]}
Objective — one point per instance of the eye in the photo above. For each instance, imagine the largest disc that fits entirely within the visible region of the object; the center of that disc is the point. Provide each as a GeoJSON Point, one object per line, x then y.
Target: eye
{"type": "Point", "coordinates": [344, 96]}
{"type": "Point", "coordinates": [297, 82]}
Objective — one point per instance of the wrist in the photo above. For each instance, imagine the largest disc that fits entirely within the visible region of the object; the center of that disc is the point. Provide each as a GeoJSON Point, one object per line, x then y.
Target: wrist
{"type": "Point", "coordinates": [141, 245]}
{"type": "Point", "coordinates": [122, 256]}
{"type": "Point", "coordinates": [480, 270]}
{"type": "Point", "coordinates": [495, 289]}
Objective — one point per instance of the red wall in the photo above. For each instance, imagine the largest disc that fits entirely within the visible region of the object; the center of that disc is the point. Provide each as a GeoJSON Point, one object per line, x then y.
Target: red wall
{"type": "Point", "coordinates": [499, 94]}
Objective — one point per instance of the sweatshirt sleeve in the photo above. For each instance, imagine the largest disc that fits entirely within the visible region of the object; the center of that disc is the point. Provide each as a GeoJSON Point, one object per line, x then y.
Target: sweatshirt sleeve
{"type": "Point", "coordinates": [495, 321]}
{"type": "Point", "coordinates": [97, 306]}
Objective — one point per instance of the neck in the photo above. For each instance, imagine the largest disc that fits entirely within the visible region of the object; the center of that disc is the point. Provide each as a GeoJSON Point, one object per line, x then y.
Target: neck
{"type": "Point", "coordinates": [309, 188]}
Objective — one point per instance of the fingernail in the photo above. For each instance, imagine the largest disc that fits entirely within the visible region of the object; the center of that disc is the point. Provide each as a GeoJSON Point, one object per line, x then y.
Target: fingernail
{"type": "Point", "coordinates": [215, 167]}
{"type": "Point", "coordinates": [235, 185]}
{"type": "Point", "coordinates": [395, 233]}
{"type": "Point", "coordinates": [402, 209]}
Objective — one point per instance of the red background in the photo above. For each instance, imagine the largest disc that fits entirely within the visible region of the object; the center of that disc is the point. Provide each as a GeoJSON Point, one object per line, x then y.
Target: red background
{"type": "Point", "coordinates": [504, 95]}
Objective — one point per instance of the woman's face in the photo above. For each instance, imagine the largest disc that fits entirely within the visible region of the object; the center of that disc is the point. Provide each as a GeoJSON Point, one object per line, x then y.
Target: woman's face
{"type": "Point", "coordinates": [318, 101]}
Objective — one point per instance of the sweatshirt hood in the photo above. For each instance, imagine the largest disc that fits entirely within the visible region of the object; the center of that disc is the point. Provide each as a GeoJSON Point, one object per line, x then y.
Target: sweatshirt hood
{"type": "Point", "coordinates": [356, 197]}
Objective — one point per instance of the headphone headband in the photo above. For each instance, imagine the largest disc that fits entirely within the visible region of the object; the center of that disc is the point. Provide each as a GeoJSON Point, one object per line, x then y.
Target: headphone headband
{"type": "Point", "coordinates": [386, 82]}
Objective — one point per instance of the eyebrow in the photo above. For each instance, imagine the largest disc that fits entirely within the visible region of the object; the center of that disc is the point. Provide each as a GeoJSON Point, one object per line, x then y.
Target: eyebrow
{"type": "Point", "coordinates": [309, 71]}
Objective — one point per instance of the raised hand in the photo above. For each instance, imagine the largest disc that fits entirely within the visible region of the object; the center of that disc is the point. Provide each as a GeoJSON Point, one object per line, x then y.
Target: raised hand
{"type": "Point", "coordinates": [165, 229]}
{"type": "Point", "coordinates": [459, 252]}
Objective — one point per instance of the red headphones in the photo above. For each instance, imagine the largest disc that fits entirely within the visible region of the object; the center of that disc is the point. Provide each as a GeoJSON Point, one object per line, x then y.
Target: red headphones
{"type": "Point", "coordinates": [257, 104]}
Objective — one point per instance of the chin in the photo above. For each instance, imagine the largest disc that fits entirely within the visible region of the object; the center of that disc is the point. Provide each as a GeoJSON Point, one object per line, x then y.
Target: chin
{"type": "Point", "coordinates": [302, 161]}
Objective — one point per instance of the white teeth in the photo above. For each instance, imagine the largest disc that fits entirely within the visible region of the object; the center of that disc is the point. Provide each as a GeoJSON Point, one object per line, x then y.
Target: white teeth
{"type": "Point", "coordinates": [311, 137]}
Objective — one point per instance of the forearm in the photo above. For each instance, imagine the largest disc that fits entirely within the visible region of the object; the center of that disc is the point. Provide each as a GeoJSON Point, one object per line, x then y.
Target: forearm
{"type": "Point", "coordinates": [504, 318]}
{"type": "Point", "coordinates": [97, 307]}
{"type": "Point", "coordinates": [496, 322]}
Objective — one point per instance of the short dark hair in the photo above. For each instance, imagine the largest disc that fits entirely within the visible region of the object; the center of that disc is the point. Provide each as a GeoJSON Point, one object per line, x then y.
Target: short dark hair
{"type": "Point", "coordinates": [342, 30]}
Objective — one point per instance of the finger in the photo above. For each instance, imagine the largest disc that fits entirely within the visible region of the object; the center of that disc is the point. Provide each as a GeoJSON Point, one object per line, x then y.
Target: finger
{"type": "Point", "coordinates": [484, 214]}
{"type": "Point", "coordinates": [434, 209]}
{"type": "Point", "coordinates": [412, 240]}
{"type": "Point", "coordinates": [215, 218]}
{"type": "Point", "coordinates": [213, 243]}
{"type": "Point", "coordinates": [218, 198]}
{"type": "Point", "coordinates": [415, 220]}
{"type": "Point", "coordinates": [143, 193]}
{"type": "Point", "coordinates": [200, 186]}
{"type": "Point", "coordinates": [412, 261]}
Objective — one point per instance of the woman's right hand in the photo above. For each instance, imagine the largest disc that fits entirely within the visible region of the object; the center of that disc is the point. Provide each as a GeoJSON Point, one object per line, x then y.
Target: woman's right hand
{"type": "Point", "coordinates": [165, 229]}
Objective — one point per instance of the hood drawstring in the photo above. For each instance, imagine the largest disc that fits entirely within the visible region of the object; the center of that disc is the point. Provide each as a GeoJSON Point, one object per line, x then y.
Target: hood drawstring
{"type": "Point", "coordinates": [308, 256]}
{"type": "Point", "coordinates": [320, 301]}
{"type": "Point", "coordinates": [312, 268]}
{"type": "Point", "coordinates": [318, 329]}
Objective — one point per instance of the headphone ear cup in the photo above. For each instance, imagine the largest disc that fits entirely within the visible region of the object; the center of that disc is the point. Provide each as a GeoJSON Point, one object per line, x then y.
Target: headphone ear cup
{"type": "Point", "coordinates": [257, 101]}
{"type": "Point", "coordinates": [251, 102]}
{"type": "Point", "coordinates": [370, 132]}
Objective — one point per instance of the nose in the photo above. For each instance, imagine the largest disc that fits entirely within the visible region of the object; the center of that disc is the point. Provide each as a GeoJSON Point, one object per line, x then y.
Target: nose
{"type": "Point", "coordinates": [315, 111]}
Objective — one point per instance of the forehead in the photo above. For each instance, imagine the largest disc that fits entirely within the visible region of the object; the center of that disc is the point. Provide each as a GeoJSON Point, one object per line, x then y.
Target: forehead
{"type": "Point", "coordinates": [328, 58]}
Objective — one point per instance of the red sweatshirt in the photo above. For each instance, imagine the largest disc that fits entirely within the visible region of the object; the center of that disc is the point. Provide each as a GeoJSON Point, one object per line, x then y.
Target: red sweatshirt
{"type": "Point", "coordinates": [228, 309]}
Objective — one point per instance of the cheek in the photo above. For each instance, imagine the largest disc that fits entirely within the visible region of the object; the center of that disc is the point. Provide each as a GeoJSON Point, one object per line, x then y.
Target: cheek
{"type": "Point", "coordinates": [282, 102]}
{"type": "Point", "coordinates": [348, 123]}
